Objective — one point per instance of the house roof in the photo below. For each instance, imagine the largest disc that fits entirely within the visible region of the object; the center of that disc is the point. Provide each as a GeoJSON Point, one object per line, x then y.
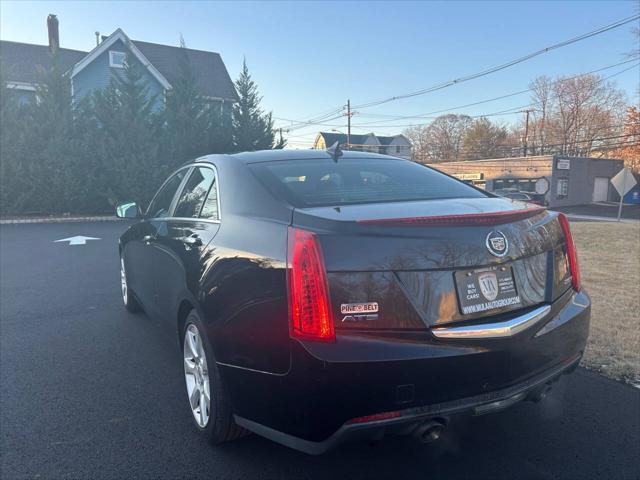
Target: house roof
{"type": "Point", "coordinates": [385, 140]}
{"type": "Point", "coordinates": [210, 72]}
{"type": "Point", "coordinates": [20, 62]}
{"type": "Point", "coordinates": [330, 138]}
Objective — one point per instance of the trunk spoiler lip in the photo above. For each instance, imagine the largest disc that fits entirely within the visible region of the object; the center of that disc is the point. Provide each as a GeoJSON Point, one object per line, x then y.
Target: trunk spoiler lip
{"type": "Point", "coordinates": [462, 220]}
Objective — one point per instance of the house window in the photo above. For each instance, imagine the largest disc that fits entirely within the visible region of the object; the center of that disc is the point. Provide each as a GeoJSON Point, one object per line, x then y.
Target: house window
{"type": "Point", "coordinates": [397, 148]}
{"type": "Point", "coordinates": [562, 189]}
{"type": "Point", "coordinates": [117, 59]}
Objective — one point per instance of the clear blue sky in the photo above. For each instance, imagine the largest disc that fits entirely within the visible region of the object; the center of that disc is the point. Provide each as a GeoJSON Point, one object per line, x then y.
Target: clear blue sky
{"type": "Point", "coordinates": [309, 57]}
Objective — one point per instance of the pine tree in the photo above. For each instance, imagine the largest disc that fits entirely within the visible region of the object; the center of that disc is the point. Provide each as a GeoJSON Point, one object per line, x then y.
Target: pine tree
{"type": "Point", "coordinates": [127, 138]}
{"type": "Point", "coordinates": [252, 128]}
{"type": "Point", "coordinates": [46, 170]}
{"type": "Point", "coordinates": [12, 149]}
{"type": "Point", "coordinates": [185, 117]}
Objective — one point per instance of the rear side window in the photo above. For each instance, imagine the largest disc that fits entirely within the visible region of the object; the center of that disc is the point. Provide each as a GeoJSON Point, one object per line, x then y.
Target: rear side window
{"type": "Point", "coordinates": [310, 183]}
{"type": "Point", "coordinates": [194, 193]}
{"type": "Point", "coordinates": [162, 201]}
{"type": "Point", "coordinates": [210, 207]}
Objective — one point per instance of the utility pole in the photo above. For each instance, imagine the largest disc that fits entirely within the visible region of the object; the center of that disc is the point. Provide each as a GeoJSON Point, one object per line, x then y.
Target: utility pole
{"type": "Point", "coordinates": [526, 131]}
{"type": "Point", "coordinates": [349, 124]}
{"type": "Point", "coordinates": [349, 114]}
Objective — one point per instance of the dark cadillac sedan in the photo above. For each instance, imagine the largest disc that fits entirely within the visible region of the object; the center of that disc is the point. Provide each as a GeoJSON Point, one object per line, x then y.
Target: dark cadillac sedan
{"type": "Point", "coordinates": [320, 297]}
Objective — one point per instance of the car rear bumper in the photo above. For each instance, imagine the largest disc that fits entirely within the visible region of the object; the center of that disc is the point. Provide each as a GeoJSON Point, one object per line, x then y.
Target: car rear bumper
{"type": "Point", "coordinates": [477, 405]}
{"type": "Point", "coordinates": [413, 374]}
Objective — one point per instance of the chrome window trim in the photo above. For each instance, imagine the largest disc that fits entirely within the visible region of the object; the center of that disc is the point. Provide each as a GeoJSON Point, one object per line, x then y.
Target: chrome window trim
{"type": "Point", "coordinates": [496, 329]}
{"type": "Point", "coordinates": [190, 219]}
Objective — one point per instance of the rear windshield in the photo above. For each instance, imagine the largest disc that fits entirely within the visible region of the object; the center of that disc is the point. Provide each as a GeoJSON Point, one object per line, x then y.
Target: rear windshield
{"type": "Point", "coordinates": [323, 182]}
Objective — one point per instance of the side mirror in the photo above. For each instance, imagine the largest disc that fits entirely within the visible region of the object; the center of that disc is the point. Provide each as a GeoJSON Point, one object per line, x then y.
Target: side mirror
{"type": "Point", "coordinates": [128, 210]}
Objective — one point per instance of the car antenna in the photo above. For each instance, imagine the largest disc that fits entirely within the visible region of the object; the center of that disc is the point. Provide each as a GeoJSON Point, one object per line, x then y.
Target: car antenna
{"type": "Point", "coordinates": [334, 151]}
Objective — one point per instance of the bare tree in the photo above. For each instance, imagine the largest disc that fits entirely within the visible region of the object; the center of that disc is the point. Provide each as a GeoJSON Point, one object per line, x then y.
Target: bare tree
{"type": "Point", "coordinates": [483, 139]}
{"type": "Point", "coordinates": [541, 87]}
{"type": "Point", "coordinates": [418, 137]}
{"type": "Point", "coordinates": [441, 140]}
{"type": "Point", "coordinates": [574, 116]}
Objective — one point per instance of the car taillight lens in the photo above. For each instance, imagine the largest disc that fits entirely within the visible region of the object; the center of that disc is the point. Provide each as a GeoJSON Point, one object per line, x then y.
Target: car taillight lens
{"type": "Point", "coordinates": [571, 252]}
{"type": "Point", "coordinates": [310, 315]}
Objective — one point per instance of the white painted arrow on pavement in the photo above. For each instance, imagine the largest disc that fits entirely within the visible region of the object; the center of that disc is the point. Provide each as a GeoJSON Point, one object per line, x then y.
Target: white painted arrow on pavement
{"type": "Point", "coordinates": [77, 240]}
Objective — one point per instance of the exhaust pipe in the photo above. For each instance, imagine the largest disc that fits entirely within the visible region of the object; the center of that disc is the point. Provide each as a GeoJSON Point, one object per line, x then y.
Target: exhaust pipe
{"type": "Point", "coordinates": [541, 393]}
{"type": "Point", "coordinates": [429, 431]}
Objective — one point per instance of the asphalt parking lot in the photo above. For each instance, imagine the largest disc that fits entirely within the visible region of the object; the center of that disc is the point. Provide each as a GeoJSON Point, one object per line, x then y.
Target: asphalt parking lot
{"type": "Point", "coordinates": [91, 391]}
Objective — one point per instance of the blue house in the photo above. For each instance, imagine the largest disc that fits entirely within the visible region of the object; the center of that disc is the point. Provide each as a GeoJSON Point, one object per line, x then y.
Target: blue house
{"type": "Point", "coordinates": [22, 64]}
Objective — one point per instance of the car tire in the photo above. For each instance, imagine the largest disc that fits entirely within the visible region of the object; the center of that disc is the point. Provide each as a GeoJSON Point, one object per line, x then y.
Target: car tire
{"type": "Point", "coordinates": [202, 374]}
{"type": "Point", "coordinates": [128, 297]}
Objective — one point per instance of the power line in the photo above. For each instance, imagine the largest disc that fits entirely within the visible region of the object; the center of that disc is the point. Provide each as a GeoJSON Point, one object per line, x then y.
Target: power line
{"type": "Point", "coordinates": [468, 153]}
{"type": "Point", "coordinates": [426, 116]}
{"type": "Point", "coordinates": [505, 65]}
{"type": "Point", "coordinates": [508, 95]}
{"type": "Point", "coordinates": [324, 117]}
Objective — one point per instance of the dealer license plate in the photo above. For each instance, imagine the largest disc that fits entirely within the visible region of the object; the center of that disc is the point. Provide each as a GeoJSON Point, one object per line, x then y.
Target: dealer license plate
{"type": "Point", "coordinates": [486, 289]}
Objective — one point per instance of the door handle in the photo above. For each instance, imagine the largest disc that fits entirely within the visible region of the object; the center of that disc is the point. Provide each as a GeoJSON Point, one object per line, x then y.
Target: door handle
{"type": "Point", "coordinates": [193, 241]}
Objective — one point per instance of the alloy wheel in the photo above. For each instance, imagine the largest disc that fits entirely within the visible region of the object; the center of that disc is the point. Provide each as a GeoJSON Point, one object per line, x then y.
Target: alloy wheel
{"type": "Point", "coordinates": [196, 374]}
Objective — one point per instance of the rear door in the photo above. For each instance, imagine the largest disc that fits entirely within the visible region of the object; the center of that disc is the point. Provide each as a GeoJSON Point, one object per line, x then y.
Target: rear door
{"type": "Point", "coordinates": [181, 244]}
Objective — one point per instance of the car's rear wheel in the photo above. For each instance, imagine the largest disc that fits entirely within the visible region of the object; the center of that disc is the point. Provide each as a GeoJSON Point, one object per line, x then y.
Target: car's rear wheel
{"type": "Point", "coordinates": [128, 298]}
{"type": "Point", "coordinates": [207, 396]}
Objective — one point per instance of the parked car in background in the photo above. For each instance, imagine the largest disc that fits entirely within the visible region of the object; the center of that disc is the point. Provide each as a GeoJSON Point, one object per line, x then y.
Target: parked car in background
{"type": "Point", "coordinates": [516, 195]}
{"type": "Point", "coordinates": [320, 297]}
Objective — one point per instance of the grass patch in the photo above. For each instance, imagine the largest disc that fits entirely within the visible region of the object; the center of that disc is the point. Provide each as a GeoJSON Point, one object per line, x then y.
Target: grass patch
{"type": "Point", "coordinates": [609, 256]}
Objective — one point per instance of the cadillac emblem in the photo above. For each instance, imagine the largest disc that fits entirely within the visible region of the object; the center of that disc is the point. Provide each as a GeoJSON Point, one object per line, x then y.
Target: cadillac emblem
{"type": "Point", "coordinates": [497, 243]}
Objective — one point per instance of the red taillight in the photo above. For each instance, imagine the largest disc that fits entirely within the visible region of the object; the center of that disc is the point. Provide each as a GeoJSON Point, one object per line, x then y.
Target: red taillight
{"type": "Point", "coordinates": [571, 252]}
{"type": "Point", "coordinates": [310, 315]}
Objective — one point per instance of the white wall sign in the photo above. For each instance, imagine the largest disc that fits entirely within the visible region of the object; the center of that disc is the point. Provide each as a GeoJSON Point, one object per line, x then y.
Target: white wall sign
{"type": "Point", "coordinates": [468, 176]}
{"type": "Point", "coordinates": [563, 164]}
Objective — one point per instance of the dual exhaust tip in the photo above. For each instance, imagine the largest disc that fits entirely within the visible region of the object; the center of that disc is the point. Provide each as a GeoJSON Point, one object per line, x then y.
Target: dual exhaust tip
{"type": "Point", "coordinates": [429, 431]}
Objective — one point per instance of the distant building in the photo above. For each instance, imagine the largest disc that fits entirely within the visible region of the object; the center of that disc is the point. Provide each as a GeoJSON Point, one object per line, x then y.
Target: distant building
{"type": "Point", "coordinates": [22, 64]}
{"type": "Point", "coordinates": [558, 180]}
{"type": "Point", "coordinates": [397, 145]}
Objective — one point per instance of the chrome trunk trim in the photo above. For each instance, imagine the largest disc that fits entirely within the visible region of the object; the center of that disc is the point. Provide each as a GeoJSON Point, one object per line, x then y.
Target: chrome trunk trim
{"type": "Point", "coordinates": [494, 330]}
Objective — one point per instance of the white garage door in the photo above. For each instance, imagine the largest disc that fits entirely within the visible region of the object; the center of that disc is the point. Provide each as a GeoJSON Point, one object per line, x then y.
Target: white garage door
{"type": "Point", "coordinates": [601, 189]}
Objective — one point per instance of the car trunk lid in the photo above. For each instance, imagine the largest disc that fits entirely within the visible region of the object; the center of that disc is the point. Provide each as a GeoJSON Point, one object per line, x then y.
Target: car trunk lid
{"type": "Point", "coordinates": [413, 265]}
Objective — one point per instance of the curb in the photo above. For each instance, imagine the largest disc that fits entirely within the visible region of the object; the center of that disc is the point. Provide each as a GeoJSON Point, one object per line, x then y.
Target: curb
{"type": "Point", "coordinates": [594, 218]}
{"type": "Point", "coordinates": [58, 220]}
